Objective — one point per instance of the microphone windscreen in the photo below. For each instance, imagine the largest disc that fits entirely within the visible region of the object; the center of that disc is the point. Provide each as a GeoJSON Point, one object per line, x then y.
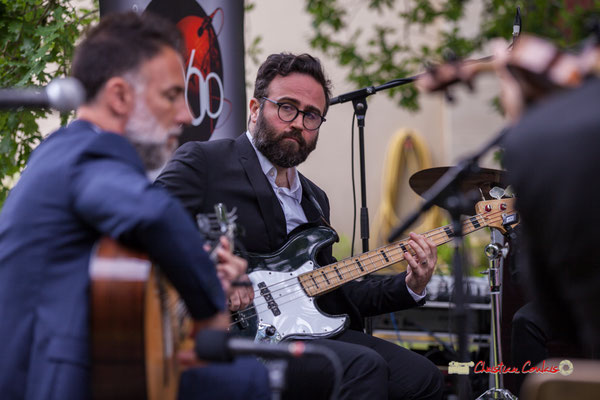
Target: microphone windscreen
{"type": "Point", "coordinates": [65, 94]}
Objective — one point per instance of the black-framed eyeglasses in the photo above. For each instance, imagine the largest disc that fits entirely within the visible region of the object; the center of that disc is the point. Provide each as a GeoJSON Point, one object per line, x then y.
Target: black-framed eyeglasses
{"type": "Point", "coordinates": [288, 112]}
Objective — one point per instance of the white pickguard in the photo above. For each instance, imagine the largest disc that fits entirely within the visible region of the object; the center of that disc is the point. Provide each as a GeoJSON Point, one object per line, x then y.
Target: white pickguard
{"type": "Point", "coordinates": [299, 316]}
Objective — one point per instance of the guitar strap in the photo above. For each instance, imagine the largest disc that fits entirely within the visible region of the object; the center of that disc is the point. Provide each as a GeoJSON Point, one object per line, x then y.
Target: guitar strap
{"type": "Point", "coordinates": [311, 197]}
{"type": "Point", "coordinates": [314, 201]}
{"type": "Point", "coordinates": [310, 194]}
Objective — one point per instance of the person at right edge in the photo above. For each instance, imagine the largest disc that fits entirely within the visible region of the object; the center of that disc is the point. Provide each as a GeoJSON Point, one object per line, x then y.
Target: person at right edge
{"type": "Point", "coordinates": [552, 159]}
{"type": "Point", "coordinates": [551, 155]}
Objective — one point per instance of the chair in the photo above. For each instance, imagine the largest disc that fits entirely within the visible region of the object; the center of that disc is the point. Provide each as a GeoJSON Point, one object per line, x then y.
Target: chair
{"type": "Point", "coordinates": [583, 383]}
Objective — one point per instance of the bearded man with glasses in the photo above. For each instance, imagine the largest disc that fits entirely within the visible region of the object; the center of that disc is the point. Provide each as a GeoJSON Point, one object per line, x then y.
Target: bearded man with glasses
{"type": "Point", "coordinates": [256, 173]}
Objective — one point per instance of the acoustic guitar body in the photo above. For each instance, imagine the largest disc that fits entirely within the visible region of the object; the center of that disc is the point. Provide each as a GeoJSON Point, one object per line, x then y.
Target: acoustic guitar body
{"type": "Point", "coordinates": [133, 343]}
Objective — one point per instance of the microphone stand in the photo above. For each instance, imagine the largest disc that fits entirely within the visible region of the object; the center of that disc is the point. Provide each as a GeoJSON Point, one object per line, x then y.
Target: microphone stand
{"type": "Point", "coordinates": [359, 102]}
{"type": "Point", "coordinates": [277, 369]}
{"type": "Point", "coordinates": [446, 191]}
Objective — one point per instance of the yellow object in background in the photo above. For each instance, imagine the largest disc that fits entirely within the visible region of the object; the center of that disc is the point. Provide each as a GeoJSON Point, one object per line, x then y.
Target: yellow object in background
{"type": "Point", "coordinates": [407, 154]}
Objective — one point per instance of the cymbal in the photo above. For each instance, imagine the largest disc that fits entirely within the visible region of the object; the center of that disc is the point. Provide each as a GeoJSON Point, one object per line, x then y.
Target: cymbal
{"type": "Point", "coordinates": [485, 179]}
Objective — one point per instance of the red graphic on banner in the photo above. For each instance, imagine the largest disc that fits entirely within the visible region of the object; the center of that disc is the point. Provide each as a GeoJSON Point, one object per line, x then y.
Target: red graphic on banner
{"type": "Point", "coordinates": [207, 93]}
{"type": "Point", "coordinates": [204, 68]}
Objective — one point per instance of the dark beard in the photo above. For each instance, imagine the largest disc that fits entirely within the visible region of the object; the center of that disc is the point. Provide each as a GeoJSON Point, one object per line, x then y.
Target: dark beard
{"type": "Point", "coordinates": [280, 152]}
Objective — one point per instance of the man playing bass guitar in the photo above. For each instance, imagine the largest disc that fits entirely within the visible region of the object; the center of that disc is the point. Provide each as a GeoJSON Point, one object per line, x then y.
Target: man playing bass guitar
{"type": "Point", "coordinates": [256, 173]}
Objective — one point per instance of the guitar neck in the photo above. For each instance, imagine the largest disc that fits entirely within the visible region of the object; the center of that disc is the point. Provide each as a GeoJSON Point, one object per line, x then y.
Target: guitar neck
{"type": "Point", "coordinates": [332, 276]}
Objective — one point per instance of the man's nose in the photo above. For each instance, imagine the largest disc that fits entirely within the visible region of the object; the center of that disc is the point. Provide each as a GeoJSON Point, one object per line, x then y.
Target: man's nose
{"type": "Point", "coordinates": [183, 115]}
{"type": "Point", "coordinates": [298, 122]}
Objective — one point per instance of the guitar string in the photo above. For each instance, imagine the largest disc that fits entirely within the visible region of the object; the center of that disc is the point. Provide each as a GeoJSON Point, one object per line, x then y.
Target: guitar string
{"type": "Point", "coordinates": [373, 253]}
{"type": "Point", "coordinates": [367, 262]}
{"type": "Point", "coordinates": [438, 231]}
{"type": "Point", "coordinates": [279, 303]}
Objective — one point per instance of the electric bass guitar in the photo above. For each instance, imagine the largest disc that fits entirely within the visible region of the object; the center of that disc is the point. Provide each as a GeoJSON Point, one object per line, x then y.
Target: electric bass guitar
{"type": "Point", "coordinates": [287, 282]}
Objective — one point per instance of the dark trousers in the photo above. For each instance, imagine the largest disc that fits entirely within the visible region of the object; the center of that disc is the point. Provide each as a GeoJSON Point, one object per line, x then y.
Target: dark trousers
{"type": "Point", "coordinates": [373, 369]}
{"type": "Point", "coordinates": [244, 379]}
{"type": "Point", "coordinates": [529, 336]}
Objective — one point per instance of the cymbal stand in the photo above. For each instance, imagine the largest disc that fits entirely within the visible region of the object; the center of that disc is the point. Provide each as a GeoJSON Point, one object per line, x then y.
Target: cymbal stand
{"type": "Point", "coordinates": [496, 252]}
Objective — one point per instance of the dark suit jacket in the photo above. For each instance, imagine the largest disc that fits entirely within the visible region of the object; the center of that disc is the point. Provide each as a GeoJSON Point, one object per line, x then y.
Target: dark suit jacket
{"type": "Point", "coordinates": [553, 163]}
{"type": "Point", "coordinates": [202, 174]}
{"type": "Point", "coordinates": [81, 184]}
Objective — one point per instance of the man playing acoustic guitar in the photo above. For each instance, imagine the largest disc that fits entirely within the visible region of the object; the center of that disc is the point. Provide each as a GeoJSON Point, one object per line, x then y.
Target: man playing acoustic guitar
{"type": "Point", "coordinates": [86, 181]}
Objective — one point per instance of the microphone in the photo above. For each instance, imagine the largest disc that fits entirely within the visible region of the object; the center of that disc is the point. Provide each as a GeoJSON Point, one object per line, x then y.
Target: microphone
{"type": "Point", "coordinates": [214, 345]}
{"type": "Point", "coordinates": [63, 94]}
{"type": "Point", "coordinates": [517, 25]}
{"type": "Point", "coordinates": [356, 94]}
{"type": "Point", "coordinates": [220, 346]}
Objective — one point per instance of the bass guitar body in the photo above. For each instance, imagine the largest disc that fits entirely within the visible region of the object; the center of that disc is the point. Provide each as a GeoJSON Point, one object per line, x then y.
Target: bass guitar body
{"type": "Point", "coordinates": [282, 309]}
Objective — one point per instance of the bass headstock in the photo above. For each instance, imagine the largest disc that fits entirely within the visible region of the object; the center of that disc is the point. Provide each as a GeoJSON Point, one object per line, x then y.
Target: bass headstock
{"type": "Point", "coordinates": [500, 214]}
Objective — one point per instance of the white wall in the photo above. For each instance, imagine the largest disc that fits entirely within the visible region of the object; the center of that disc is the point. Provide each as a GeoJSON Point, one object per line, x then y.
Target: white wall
{"type": "Point", "coordinates": [451, 130]}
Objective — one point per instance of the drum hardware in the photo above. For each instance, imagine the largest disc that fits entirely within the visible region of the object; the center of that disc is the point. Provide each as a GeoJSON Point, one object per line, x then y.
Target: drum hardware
{"type": "Point", "coordinates": [496, 252]}
{"type": "Point", "coordinates": [483, 181]}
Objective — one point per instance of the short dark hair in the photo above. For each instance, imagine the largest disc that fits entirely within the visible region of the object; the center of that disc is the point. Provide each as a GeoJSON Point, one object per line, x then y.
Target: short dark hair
{"type": "Point", "coordinates": [119, 44]}
{"type": "Point", "coordinates": [286, 63]}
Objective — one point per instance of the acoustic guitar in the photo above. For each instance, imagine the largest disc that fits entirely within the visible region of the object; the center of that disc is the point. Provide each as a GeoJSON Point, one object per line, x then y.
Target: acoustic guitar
{"type": "Point", "coordinates": [138, 322]}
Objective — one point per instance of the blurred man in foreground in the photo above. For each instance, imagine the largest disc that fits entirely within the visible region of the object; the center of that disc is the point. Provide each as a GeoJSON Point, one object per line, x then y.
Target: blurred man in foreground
{"type": "Point", "coordinates": [86, 181]}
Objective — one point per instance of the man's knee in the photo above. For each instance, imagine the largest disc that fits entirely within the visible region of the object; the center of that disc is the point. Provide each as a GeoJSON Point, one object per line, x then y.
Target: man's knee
{"type": "Point", "coordinates": [527, 322]}
{"type": "Point", "coordinates": [417, 378]}
{"type": "Point", "coordinates": [431, 382]}
{"type": "Point", "coordinates": [435, 387]}
{"type": "Point", "coordinates": [520, 320]}
{"type": "Point", "coordinates": [366, 376]}
{"type": "Point", "coordinates": [369, 362]}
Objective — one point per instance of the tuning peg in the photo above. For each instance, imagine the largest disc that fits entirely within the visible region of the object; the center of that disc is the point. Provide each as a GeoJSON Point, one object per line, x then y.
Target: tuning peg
{"type": "Point", "coordinates": [509, 191]}
{"type": "Point", "coordinates": [497, 192]}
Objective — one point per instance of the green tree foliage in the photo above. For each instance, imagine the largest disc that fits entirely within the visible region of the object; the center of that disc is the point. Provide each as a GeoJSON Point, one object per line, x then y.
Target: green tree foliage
{"type": "Point", "coordinates": [392, 49]}
{"type": "Point", "coordinates": [37, 43]}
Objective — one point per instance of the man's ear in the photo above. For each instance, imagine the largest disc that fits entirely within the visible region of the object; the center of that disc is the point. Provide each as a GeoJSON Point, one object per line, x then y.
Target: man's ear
{"type": "Point", "coordinates": [254, 107]}
{"type": "Point", "coordinates": [119, 96]}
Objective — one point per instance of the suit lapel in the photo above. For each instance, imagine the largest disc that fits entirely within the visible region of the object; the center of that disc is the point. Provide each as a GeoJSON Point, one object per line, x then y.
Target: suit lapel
{"type": "Point", "coordinates": [267, 200]}
{"type": "Point", "coordinates": [309, 202]}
